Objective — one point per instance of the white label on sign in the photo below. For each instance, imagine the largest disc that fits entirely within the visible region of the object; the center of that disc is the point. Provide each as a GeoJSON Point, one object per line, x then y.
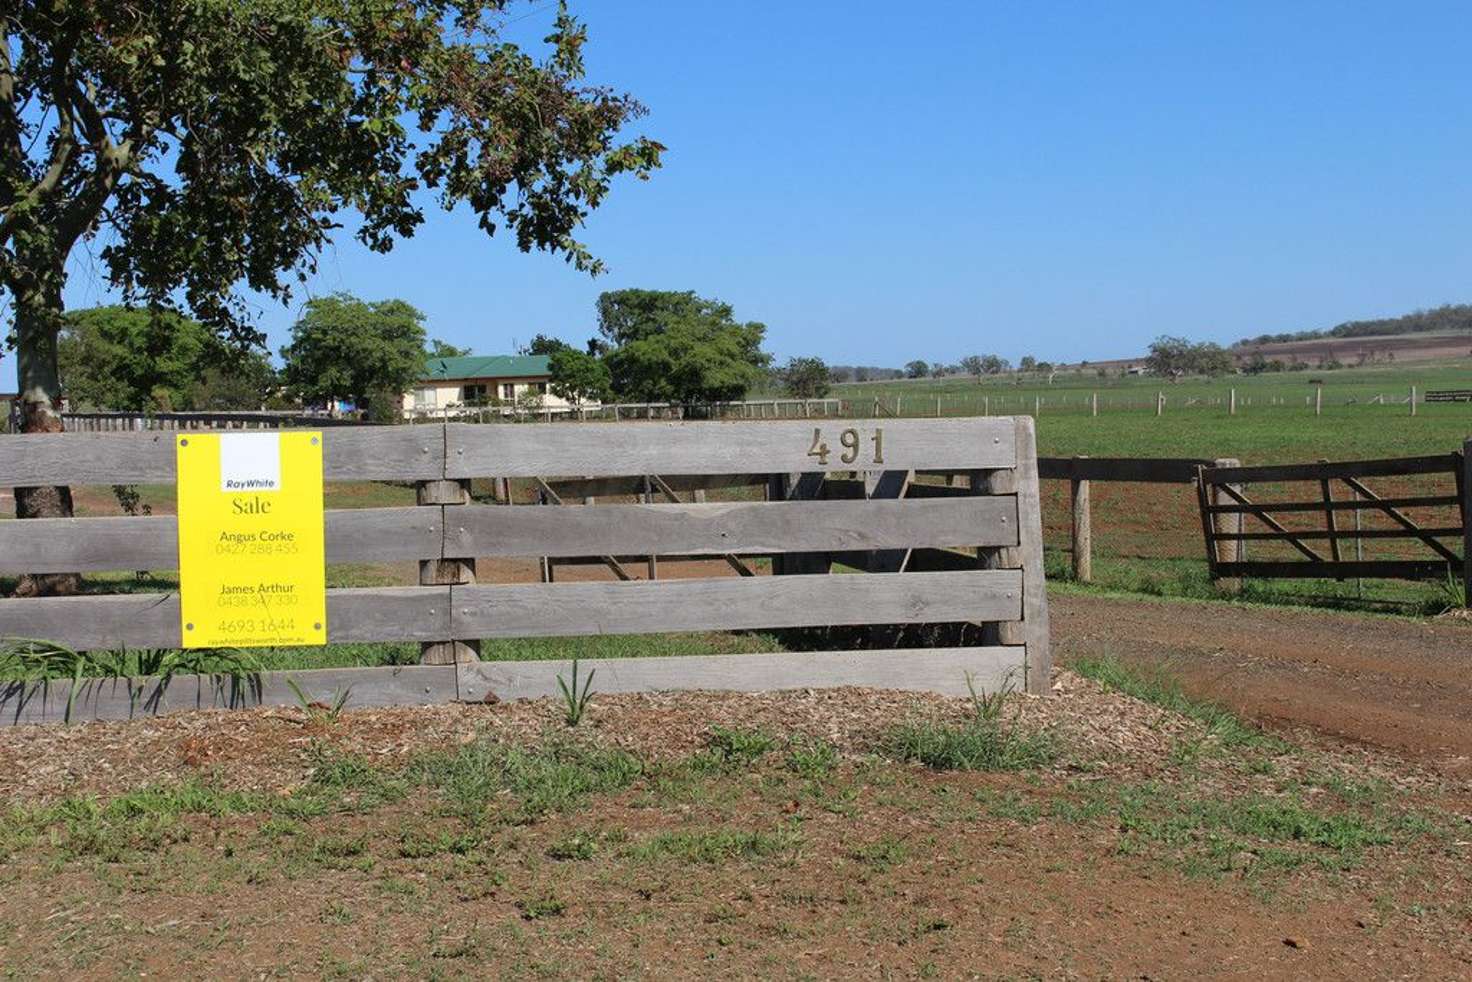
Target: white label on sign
{"type": "Point", "coordinates": [250, 462]}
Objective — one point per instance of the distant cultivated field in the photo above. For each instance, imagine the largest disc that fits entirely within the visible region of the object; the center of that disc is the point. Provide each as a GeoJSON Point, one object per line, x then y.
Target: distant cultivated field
{"type": "Point", "coordinates": [1404, 347]}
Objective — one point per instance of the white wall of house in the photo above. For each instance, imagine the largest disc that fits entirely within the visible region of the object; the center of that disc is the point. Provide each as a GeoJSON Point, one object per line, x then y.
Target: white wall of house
{"type": "Point", "coordinates": [444, 394]}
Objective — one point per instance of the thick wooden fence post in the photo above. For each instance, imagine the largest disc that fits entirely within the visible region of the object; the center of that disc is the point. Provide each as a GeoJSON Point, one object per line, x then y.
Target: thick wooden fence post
{"type": "Point", "coordinates": [1095, 403]}
{"type": "Point", "coordinates": [1033, 629]}
{"type": "Point", "coordinates": [1228, 523]}
{"type": "Point", "coordinates": [1319, 400]}
{"type": "Point", "coordinates": [1413, 400]}
{"type": "Point", "coordinates": [1083, 535]}
{"type": "Point", "coordinates": [1466, 489]}
{"type": "Point", "coordinates": [1232, 402]}
{"type": "Point", "coordinates": [446, 571]}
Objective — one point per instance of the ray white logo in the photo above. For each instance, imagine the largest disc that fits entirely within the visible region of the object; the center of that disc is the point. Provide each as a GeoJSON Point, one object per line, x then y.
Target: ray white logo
{"type": "Point", "coordinates": [250, 462]}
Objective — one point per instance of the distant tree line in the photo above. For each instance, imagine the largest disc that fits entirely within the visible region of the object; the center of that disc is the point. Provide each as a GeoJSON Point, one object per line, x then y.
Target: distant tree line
{"type": "Point", "coordinates": [1447, 319]}
{"type": "Point", "coordinates": [141, 359]}
{"type": "Point", "coordinates": [864, 373]}
{"type": "Point", "coordinates": [651, 346]}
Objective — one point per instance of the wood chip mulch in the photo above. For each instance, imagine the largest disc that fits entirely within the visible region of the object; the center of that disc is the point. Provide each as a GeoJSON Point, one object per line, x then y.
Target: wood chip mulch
{"type": "Point", "coordinates": [1107, 735]}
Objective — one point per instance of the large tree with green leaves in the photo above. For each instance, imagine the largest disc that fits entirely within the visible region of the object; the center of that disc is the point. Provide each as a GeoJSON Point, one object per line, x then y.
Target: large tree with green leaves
{"type": "Point", "coordinates": [444, 349]}
{"type": "Point", "coordinates": [578, 376]}
{"type": "Point", "coordinates": [677, 347]}
{"type": "Point", "coordinates": [346, 348]}
{"type": "Point", "coordinates": [805, 378]}
{"type": "Point", "coordinates": [129, 358]}
{"type": "Point", "coordinates": [1175, 357]}
{"type": "Point", "coordinates": [542, 344]}
{"type": "Point", "coordinates": [210, 144]}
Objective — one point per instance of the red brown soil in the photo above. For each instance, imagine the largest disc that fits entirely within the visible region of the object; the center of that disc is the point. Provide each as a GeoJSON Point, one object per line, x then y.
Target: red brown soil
{"type": "Point", "coordinates": [966, 892]}
{"type": "Point", "coordinates": [1392, 682]}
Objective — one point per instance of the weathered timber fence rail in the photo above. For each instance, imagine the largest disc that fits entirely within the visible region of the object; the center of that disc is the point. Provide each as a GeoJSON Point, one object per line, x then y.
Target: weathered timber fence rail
{"type": "Point", "coordinates": [1080, 472]}
{"type": "Point", "coordinates": [1445, 512]}
{"type": "Point", "coordinates": [998, 585]}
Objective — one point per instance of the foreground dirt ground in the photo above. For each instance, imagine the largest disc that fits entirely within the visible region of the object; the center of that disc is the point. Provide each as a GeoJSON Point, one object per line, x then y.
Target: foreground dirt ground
{"type": "Point", "coordinates": [1392, 682]}
{"type": "Point", "coordinates": [698, 835]}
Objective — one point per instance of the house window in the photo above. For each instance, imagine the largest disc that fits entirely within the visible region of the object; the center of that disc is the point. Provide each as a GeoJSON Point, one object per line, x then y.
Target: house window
{"type": "Point", "coordinates": [508, 390]}
{"type": "Point", "coordinates": [425, 398]}
{"type": "Point", "coordinates": [541, 388]}
{"type": "Point", "coordinates": [472, 393]}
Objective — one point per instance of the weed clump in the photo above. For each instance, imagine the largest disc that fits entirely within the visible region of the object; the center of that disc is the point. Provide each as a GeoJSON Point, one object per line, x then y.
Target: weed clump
{"type": "Point", "coordinates": [970, 746]}
{"type": "Point", "coordinates": [715, 846]}
{"type": "Point", "coordinates": [739, 747]}
{"type": "Point", "coordinates": [552, 777]}
{"type": "Point", "coordinates": [988, 741]}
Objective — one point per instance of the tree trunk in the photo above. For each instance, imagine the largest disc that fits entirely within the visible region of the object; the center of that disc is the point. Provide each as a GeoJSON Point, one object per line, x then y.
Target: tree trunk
{"type": "Point", "coordinates": [37, 322]}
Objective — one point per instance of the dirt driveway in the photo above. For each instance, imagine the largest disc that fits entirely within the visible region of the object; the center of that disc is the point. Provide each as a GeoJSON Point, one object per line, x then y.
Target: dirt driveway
{"type": "Point", "coordinates": [1396, 683]}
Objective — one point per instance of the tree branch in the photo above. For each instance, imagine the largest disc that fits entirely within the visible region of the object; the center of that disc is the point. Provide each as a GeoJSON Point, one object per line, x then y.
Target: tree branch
{"type": "Point", "coordinates": [62, 149]}
{"type": "Point", "coordinates": [10, 126]}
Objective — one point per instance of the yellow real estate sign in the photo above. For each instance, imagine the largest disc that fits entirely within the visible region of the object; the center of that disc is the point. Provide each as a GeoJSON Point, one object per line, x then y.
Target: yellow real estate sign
{"type": "Point", "coordinates": [252, 565]}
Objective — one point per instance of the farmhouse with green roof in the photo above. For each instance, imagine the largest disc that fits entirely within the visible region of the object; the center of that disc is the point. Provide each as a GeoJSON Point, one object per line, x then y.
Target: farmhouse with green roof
{"type": "Point", "coordinates": [482, 380]}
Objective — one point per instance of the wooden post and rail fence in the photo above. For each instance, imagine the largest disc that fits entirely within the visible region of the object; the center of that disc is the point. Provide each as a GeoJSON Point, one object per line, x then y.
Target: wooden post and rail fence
{"type": "Point", "coordinates": [1081, 472]}
{"type": "Point", "coordinates": [981, 553]}
{"type": "Point", "coordinates": [1445, 506]}
{"type": "Point", "coordinates": [1221, 486]}
{"type": "Point", "coordinates": [917, 405]}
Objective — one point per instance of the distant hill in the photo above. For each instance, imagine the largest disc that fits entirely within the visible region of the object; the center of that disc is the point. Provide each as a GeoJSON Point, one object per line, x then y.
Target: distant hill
{"type": "Point", "coordinates": [1447, 319]}
{"type": "Point", "coordinates": [1325, 351]}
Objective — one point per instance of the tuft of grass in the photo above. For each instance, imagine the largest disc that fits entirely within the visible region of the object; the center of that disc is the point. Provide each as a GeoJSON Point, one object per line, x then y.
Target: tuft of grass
{"type": "Point", "coordinates": [415, 844]}
{"type": "Point", "coordinates": [578, 846]}
{"type": "Point", "coordinates": [1160, 689]}
{"type": "Point", "coordinates": [883, 854]}
{"type": "Point", "coordinates": [1262, 832]}
{"type": "Point", "coordinates": [343, 783]}
{"type": "Point", "coordinates": [139, 822]}
{"type": "Point", "coordinates": [552, 777]}
{"type": "Point", "coordinates": [969, 747]}
{"type": "Point", "coordinates": [713, 846]}
{"type": "Point", "coordinates": [739, 747]}
{"type": "Point", "coordinates": [811, 759]}
{"type": "Point", "coordinates": [541, 906]}
{"type": "Point", "coordinates": [986, 742]}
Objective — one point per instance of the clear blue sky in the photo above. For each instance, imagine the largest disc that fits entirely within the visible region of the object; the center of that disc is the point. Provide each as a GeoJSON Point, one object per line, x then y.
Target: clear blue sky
{"type": "Point", "coordinates": [881, 182]}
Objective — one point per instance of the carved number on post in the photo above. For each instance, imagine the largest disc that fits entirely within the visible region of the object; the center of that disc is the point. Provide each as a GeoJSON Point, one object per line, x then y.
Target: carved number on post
{"type": "Point", "coordinates": [850, 440]}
